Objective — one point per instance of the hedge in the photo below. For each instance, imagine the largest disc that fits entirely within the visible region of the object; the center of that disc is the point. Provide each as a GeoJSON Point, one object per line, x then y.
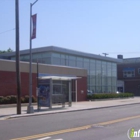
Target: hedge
{"type": "Point", "coordinates": [109, 95]}
{"type": "Point", "coordinates": [13, 99]}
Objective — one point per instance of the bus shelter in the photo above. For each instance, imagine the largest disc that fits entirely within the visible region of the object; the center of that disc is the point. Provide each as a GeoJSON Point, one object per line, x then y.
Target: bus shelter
{"type": "Point", "coordinates": [54, 90]}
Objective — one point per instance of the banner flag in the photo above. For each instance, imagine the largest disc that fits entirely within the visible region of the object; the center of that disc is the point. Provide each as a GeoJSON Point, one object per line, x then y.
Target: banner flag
{"type": "Point", "coordinates": [34, 19]}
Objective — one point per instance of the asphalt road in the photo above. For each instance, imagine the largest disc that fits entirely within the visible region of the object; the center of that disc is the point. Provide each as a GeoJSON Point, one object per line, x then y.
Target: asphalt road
{"type": "Point", "coordinates": [101, 124]}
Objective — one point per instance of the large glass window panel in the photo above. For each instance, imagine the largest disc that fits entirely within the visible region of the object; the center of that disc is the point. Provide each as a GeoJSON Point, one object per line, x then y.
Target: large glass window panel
{"type": "Point", "coordinates": [72, 57]}
{"type": "Point", "coordinates": [109, 81]}
{"type": "Point", "coordinates": [109, 89]}
{"type": "Point", "coordinates": [80, 58]}
{"type": "Point", "coordinates": [86, 64]}
{"type": "Point", "coordinates": [56, 61]}
{"type": "Point", "coordinates": [46, 60]}
{"type": "Point", "coordinates": [72, 63]}
{"type": "Point", "coordinates": [63, 61]}
{"type": "Point", "coordinates": [63, 56]}
{"type": "Point", "coordinates": [79, 64]}
{"type": "Point", "coordinates": [13, 58]}
{"type": "Point", "coordinates": [92, 67]}
{"type": "Point", "coordinates": [98, 89]}
{"type": "Point", "coordinates": [56, 55]}
{"type": "Point", "coordinates": [104, 70]}
{"type": "Point", "coordinates": [92, 88]}
{"type": "Point", "coordinates": [109, 70]}
{"type": "Point", "coordinates": [114, 89]}
{"type": "Point", "coordinates": [98, 73]}
{"type": "Point", "coordinates": [46, 54]}
{"type": "Point", "coordinates": [104, 89]}
{"type": "Point", "coordinates": [88, 79]}
{"type": "Point", "coordinates": [36, 56]}
{"type": "Point", "coordinates": [92, 72]}
{"type": "Point", "coordinates": [92, 80]}
{"type": "Point", "coordinates": [114, 81]}
{"type": "Point", "coordinates": [104, 81]}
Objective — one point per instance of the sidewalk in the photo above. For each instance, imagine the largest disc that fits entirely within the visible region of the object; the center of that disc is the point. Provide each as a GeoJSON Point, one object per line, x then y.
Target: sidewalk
{"type": "Point", "coordinates": [10, 112]}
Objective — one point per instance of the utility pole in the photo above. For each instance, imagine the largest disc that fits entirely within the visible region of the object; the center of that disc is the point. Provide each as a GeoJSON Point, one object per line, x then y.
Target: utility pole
{"type": "Point", "coordinates": [17, 58]}
{"type": "Point", "coordinates": [105, 54]}
{"type": "Point", "coordinates": [30, 107]}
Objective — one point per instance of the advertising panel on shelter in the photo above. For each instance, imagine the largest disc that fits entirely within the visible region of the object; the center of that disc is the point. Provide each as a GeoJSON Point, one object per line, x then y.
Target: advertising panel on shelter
{"type": "Point", "coordinates": [44, 93]}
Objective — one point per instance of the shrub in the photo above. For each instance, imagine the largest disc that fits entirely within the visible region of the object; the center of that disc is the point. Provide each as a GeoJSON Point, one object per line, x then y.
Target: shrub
{"type": "Point", "coordinates": [6, 99]}
{"type": "Point", "coordinates": [109, 95]}
{"type": "Point", "coordinates": [13, 99]}
{"type": "Point", "coordinates": [34, 99]}
{"type": "Point", "coordinates": [26, 99]}
{"type": "Point", "coordinates": [1, 100]}
{"type": "Point", "coordinates": [22, 100]}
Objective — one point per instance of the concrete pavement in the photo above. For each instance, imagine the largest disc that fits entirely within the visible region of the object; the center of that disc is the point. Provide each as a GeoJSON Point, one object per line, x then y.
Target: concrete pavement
{"type": "Point", "coordinates": [10, 112]}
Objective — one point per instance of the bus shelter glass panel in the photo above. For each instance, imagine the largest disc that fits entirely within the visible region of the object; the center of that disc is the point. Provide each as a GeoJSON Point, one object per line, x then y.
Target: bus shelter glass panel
{"type": "Point", "coordinates": [44, 93]}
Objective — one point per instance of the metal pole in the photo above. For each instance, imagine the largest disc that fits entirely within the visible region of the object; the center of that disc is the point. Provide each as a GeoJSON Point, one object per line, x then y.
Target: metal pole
{"type": "Point", "coordinates": [70, 100]}
{"type": "Point", "coordinates": [76, 90]}
{"type": "Point", "coordinates": [38, 107]}
{"type": "Point", "coordinates": [17, 58]}
{"type": "Point", "coordinates": [51, 92]}
{"type": "Point", "coordinates": [30, 107]}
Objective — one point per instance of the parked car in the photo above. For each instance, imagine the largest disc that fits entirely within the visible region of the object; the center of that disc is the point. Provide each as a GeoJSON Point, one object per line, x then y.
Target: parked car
{"type": "Point", "coordinates": [89, 92]}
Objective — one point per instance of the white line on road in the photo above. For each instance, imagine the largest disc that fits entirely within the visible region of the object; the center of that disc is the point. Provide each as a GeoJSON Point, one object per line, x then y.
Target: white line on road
{"type": "Point", "coordinates": [58, 139]}
{"type": "Point", "coordinates": [44, 138]}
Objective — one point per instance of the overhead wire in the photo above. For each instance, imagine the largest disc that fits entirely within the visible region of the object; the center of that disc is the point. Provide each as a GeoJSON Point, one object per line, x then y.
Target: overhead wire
{"type": "Point", "coordinates": [7, 31]}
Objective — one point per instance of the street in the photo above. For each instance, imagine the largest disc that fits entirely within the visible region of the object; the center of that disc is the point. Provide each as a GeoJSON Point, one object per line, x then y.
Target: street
{"type": "Point", "coordinates": [97, 124]}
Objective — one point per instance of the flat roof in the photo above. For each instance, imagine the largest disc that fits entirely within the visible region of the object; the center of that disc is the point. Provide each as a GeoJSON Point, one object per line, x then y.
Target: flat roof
{"type": "Point", "coordinates": [63, 78]}
{"type": "Point", "coordinates": [65, 51]}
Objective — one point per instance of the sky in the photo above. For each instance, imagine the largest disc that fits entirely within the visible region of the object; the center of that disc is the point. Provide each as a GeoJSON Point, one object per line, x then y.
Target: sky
{"type": "Point", "coordinates": [92, 26]}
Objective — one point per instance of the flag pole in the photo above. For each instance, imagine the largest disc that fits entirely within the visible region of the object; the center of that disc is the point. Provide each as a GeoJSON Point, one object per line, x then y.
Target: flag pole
{"type": "Point", "coordinates": [30, 107]}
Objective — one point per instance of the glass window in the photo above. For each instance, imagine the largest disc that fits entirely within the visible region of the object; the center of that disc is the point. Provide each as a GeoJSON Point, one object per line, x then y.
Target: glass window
{"type": "Point", "coordinates": [56, 55]}
{"type": "Point", "coordinates": [35, 56]}
{"type": "Point", "coordinates": [92, 64]}
{"type": "Point", "coordinates": [72, 63]}
{"type": "Point", "coordinates": [86, 63]}
{"type": "Point", "coordinates": [72, 57]}
{"type": "Point", "coordinates": [46, 54]}
{"type": "Point", "coordinates": [13, 58]}
{"type": "Point", "coordinates": [80, 62]}
{"type": "Point", "coordinates": [128, 72]}
{"type": "Point", "coordinates": [56, 61]}
{"type": "Point", "coordinates": [46, 60]}
{"type": "Point", "coordinates": [80, 58]}
{"type": "Point", "coordinates": [98, 73]}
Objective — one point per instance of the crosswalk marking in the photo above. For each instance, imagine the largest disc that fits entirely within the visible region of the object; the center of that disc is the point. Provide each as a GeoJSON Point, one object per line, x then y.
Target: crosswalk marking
{"type": "Point", "coordinates": [48, 138]}
{"type": "Point", "coordinates": [58, 139]}
{"type": "Point", "coordinates": [44, 138]}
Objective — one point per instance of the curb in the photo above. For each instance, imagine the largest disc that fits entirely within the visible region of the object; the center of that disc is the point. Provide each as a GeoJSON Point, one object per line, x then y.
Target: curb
{"type": "Point", "coordinates": [14, 105]}
{"type": "Point", "coordinates": [109, 99]}
{"type": "Point", "coordinates": [49, 113]}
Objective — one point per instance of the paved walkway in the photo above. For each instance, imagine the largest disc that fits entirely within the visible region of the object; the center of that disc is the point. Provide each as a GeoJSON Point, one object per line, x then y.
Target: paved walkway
{"type": "Point", "coordinates": [9, 111]}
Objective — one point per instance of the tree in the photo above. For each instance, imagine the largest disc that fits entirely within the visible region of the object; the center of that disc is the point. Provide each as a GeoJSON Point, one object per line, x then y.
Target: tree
{"type": "Point", "coordinates": [8, 50]}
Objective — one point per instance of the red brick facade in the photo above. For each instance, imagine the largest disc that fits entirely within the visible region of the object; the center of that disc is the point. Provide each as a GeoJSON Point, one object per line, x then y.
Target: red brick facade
{"type": "Point", "coordinates": [82, 89]}
{"type": "Point", "coordinates": [8, 85]}
{"type": "Point", "coordinates": [131, 84]}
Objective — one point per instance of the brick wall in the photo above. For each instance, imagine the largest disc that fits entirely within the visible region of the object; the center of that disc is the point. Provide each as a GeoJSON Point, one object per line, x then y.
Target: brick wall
{"type": "Point", "coordinates": [82, 86]}
{"type": "Point", "coordinates": [8, 83]}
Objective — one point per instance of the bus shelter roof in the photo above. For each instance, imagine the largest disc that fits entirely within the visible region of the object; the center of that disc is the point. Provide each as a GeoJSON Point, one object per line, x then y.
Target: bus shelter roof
{"type": "Point", "coordinates": [58, 77]}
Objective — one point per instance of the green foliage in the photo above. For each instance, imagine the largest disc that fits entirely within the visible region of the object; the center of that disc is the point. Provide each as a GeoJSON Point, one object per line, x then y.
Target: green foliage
{"type": "Point", "coordinates": [8, 50]}
{"type": "Point", "coordinates": [109, 95]}
{"type": "Point", "coordinates": [13, 99]}
{"type": "Point", "coordinates": [1, 99]}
